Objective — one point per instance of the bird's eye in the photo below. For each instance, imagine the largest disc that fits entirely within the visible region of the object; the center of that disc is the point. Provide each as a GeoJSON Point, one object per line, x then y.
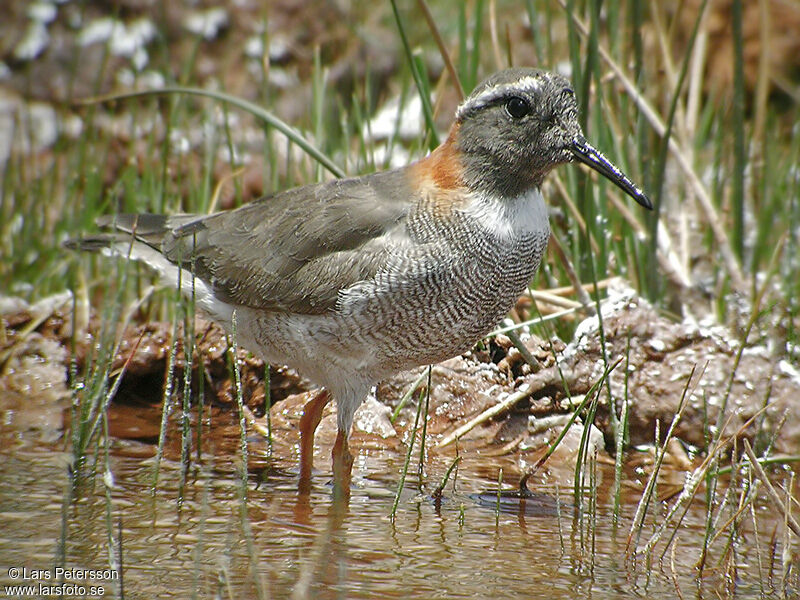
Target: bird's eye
{"type": "Point", "coordinates": [517, 107]}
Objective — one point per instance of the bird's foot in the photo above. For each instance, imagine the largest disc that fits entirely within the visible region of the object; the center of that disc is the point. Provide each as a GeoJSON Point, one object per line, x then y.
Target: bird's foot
{"type": "Point", "coordinates": [342, 467]}
{"type": "Point", "coordinates": [312, 415]}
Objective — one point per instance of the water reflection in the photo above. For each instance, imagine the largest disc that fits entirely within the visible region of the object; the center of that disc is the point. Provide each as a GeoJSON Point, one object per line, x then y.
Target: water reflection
{"type": "Point", "coordinates": [209, 536]}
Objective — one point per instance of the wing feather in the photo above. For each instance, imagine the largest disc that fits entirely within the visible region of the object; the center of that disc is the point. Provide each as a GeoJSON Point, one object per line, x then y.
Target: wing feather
{"type": "Point", "coordinates": [294, 251]}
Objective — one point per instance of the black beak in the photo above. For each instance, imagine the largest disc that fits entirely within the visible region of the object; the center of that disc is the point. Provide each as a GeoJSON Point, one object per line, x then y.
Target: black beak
{"type": "Point", "coordinates": [591, 156]}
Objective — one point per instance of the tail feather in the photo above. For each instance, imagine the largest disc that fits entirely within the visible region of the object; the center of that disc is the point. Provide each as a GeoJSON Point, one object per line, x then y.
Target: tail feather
{"type": "Point", "coordinates": [97, 243]}
{"type": "Point", "coordinates": [146, 227]}
{"type": "Point", "coordinates": [144, 223]}
{"type": "Point", "coordinates": [152, 229]}
{"type": "Point", "coordinates": [139, 238]}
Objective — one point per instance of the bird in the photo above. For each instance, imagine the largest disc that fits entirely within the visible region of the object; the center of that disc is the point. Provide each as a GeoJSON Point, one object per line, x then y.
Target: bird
{"type": "Point", "coordinates": [352, 280]}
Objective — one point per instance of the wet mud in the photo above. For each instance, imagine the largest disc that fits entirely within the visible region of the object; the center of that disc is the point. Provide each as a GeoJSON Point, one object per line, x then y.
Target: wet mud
{"type": "Point", "coordinates": [489, 401]}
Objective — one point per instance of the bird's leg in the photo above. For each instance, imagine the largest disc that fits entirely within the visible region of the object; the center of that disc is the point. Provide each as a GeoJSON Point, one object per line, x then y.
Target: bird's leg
{"type": "Point", "coordinates": [342, 466]}
{"type": "Point", "coordinates": [312, 414]}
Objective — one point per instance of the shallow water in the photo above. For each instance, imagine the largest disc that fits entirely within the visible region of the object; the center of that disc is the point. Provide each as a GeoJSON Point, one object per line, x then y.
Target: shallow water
{"type": "Point", "coordinates": [203, 538]}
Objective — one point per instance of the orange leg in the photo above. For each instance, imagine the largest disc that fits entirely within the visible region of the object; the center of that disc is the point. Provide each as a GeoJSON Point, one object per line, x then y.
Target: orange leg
{"type": "Point", "coordinates": [312, 414]}
{"type": "Point", "coordinates": [342, 466]}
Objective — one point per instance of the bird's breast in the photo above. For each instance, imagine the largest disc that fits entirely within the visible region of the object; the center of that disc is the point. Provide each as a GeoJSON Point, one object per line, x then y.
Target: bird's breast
{"type": "Point", "coordinates": [454, 282]}
{"type": "Point", "coordinates": [505, 220]}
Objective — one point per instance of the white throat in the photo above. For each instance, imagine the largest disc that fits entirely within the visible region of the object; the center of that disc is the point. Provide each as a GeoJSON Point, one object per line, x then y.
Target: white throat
{"type": "Point", "coordinates": [508, 218]}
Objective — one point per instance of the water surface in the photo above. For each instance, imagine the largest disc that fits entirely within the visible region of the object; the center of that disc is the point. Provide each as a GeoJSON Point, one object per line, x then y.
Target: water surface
{"type": "Point", "coordinates": [211, 534]}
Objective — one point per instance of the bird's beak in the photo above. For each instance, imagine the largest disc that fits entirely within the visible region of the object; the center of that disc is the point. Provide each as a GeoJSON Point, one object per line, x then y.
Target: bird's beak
{"type": "Point", "coordinates": [591, 156]}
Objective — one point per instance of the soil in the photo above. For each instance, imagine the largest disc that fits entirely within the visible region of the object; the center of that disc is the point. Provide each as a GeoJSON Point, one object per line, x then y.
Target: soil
{"type": "Point", "coordinates": [658, 362]}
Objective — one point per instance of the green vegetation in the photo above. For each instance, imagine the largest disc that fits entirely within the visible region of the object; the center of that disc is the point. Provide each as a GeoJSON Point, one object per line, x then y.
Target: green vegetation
{"type": "Point", "coordinates": [720, 163]}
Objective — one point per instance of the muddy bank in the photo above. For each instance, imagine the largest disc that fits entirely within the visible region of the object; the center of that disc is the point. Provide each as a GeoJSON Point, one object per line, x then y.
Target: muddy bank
{"type": "Point", "coordinates": [490, 399]}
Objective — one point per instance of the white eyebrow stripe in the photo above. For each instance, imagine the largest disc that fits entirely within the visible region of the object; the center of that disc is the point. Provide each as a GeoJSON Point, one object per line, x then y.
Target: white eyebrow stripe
{"type": "Point", "coordinates": [529, 84]}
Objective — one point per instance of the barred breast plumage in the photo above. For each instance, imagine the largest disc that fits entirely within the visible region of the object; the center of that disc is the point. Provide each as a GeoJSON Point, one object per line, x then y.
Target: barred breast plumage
{"type": "Point", "coordinates": [355, 279]}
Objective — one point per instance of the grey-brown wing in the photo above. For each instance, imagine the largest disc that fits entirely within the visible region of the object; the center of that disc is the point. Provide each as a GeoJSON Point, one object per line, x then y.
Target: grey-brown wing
{"type": "Point", "coordinates": [294, 251]}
